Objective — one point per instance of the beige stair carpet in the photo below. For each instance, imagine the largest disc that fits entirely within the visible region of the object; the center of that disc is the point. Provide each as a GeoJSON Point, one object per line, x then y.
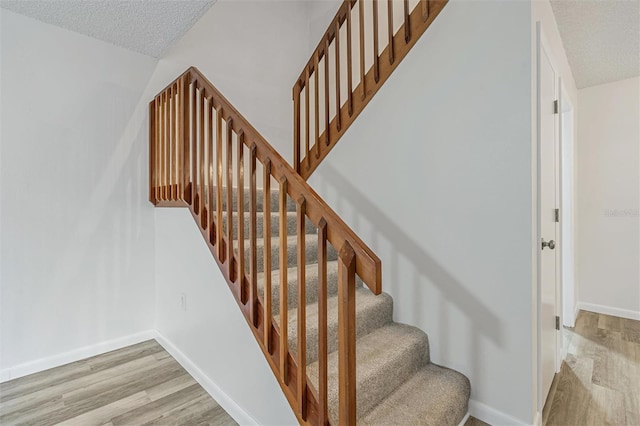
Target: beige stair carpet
{"type": "Point", "coordinates": [395, 381]}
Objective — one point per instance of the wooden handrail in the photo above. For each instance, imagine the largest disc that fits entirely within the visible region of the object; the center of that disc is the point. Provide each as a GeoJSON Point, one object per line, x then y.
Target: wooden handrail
{"type": "Point", "coordinates": [318, 144]}
{"type": "Point", "coordinates": [193, 161]}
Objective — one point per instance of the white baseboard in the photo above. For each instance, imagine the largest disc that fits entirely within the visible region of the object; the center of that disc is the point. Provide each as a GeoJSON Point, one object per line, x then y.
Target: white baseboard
{"type": "Point", "coordinates": [492, 416]}
{"type": "Point", "coordinates": [42, 364]}
{"type": "Point", "coordinates": [609, 310]}
{"type": "Point", "coordinates": [229, 405]}
{"type": "Point", "coordinates": [464, 419]}
{"type": "Point", "coordinates": [537, 420]}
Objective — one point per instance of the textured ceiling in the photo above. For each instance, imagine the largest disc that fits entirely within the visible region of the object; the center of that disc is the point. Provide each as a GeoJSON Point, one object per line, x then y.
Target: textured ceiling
{"type": "Point", "coordinates": [144, 26]}
{"type": "Point", "coordinates": [601, 38]}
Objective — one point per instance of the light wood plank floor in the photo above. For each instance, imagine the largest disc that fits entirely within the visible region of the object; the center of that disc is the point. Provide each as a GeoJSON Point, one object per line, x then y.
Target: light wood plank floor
{"type": "Point", "coordinates": [599, 383]}
{"type": "Point", "coordinates": [139, 384]}
{"type": "Point", "coordinates": [472, 421]}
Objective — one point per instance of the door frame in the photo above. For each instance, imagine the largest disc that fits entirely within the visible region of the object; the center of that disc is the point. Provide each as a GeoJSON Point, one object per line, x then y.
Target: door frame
{"type": "Point", "coordinates": [567, 209]}
{"type": "Point", "coordinates": [543, 44]}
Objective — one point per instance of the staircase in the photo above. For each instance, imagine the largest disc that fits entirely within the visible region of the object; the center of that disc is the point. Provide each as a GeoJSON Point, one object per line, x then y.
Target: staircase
{"type": "Point", "coordinates": [309, 288]}
{"type": "Point", "coordinates": [395, 381]}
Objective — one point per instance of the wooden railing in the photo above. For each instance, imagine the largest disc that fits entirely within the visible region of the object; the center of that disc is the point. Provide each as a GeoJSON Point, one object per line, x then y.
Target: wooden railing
{"type": "Point", "coordinates": [325, 95]}
{"type": "Point", "coordinates": [201, 152]}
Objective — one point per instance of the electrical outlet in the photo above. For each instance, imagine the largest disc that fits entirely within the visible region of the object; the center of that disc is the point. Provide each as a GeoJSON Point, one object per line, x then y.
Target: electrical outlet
{"type": "Point", "coordinates": [183, 302]}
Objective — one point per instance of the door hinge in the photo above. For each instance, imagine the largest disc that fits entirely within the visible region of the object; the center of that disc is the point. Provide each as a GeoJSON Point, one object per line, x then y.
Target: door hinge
{"type": "Point", "coordinates": [556, 107]}
{"type": "Point", "coordinates": [557, 213]}
{"type": "Point", "coordinates": [557, 322]}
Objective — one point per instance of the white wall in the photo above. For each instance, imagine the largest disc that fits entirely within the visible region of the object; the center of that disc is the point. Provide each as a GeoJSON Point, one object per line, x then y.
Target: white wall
{"type": "Point", "coordinates": [435, 175]}
{"type": "Point", "coordinates": [212, 331]}
{"type": "Point", "coordinates": [609, 197]}
{"type": "Point", "coordinates": [252, 51]}
{"type": "Point", "coordinates": [76, 232]}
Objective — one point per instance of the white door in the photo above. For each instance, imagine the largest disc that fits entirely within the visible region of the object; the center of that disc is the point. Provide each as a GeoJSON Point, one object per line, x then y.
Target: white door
{"type": "Point", "coordinates": [548, 140]}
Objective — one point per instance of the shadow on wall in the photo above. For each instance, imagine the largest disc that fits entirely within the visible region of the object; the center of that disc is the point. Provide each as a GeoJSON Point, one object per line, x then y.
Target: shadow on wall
{"type": "Point", "coordinates": [483, 322]}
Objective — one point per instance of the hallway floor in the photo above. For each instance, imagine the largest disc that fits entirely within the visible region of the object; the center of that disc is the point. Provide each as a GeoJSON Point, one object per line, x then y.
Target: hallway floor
{"type": "Point", "coordinates": [599, 383]}
{"type": "Point", "coordinates": [139, 384]}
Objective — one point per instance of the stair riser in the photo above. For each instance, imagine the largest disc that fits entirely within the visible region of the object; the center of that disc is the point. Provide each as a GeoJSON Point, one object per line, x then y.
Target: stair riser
{"type": "Point", "coordinates": [311, 285]}
{"type": "Point", "coordinates": [311, 253]}
{"type": "Point", "coordinates": [368, 319]}
{"type": "Point", "coordinates": [291, 205]}
{"type": "Point", "coordinates": [370, 393]}
{"type": "Point", "coordinates": [399, 358]}
{"type": "Point", "coordinates": [292, 228]}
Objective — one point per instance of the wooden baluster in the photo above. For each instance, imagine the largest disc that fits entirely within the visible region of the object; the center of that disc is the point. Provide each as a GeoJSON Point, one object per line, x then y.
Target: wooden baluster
{"type": "Point", "coordinates": [307, 151]}
{"type": "Point", "coordinates": [165, 165]}
{"type": "Point", "coordinates": [302, 312]}
{"type": "Point", "coordinates": [175, 159]}
{"type": "Point", "coordinates": [316, 139]}
{"type": "Point", "coordinates": [326, 91]}
{"type": "Point", "coordinates": [178, 136]}
{"type": "Point", "coordinates": [362, 48]}
{"type": "Point", "coordinates": [323, 402]}
{"type": "Point", "coordinates": [158, 150]}
{"type": "Point", "coordinates": [170, 140]}
{"type": "Point", "coordinates": [337, 42]}
{"type": "Point", "coordinates": [253, 234]}
{"type": "Point", "coordinates": [407, 24]}
{"type": "Point", "coordinates": [284, 321]}
{"type": "Point", "coordinates": [207, 218]}
{"type": "Point", "coordinates": [201, 207]}
{"type": "Point", "coordinates": [230, 204]}
{"type": "Point", "coordinates": [204, 218]}
{"type": "Point", "coordinates": [266, 209]}
{"type": "Point", "coordinates": [195, 150]}
{"type": "Point", "coordinates": [185, 111]}
{"type": "Point", "coordinates": [390, 28]}
{"type": "Point", "coordinates": [211, 194]}
{"type": "Point", "coordinates": [159, 153]}
{"type": "Point", "coordinates": [349, 64]}
{"type": "Point", "coordinates": [425, 10]}
{"type": "Point", "coordinates": [347, 335]}
{"type": "Point", "coordinates": [296, 127]}
{"type": "Point", "coordinates": [167, 144]}
{"type": "Point", "coordinates": [376, 55]}
{"type": "Point", "coordinates": [152, 151]}
{"type": "Point", "coordinates": [240, 213]}
{"type": "Point", "coordinates": [194, 147]}
{"type": "Point", "coordinates": [219, 230]}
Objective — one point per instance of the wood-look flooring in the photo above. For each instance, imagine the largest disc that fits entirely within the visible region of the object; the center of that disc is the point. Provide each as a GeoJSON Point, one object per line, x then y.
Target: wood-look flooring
{"type": "Point", "coordinates": [139, 384]}
{"type": "Point", "coordinates": [599, 383]}
{"type": "Point", "coordinates": [472, 421]}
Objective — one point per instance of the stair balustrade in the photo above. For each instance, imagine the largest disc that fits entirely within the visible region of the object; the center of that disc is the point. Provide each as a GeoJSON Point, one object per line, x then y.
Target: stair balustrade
{"type": "Point", "coordinates": [205, 156]}
{"type": "Point", "coordinates": [325, 100]}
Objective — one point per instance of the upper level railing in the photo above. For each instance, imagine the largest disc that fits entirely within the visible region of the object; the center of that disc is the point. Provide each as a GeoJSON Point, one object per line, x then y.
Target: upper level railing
{"type": "Point", "coordinates": [334, 88]}
{"type": "Point", "coordinates": [203, 152]}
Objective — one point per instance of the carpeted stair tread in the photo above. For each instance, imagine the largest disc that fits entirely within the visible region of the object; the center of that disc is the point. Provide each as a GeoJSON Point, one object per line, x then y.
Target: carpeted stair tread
{"type": "Point", "coordinates": [385, 358]}
{"type": "Point", "coordinates": [311, 251]}
{"type": "Point", "coordinates": [372, 312]}
{"type": "Point", "coordinates": [311, 282]}
{"type": "Point", "coordinates": [291, 205]}
{"type": "Point", "coordinates": [434, 396]}
{"type": "Point", "coordinates": [275, 224]}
